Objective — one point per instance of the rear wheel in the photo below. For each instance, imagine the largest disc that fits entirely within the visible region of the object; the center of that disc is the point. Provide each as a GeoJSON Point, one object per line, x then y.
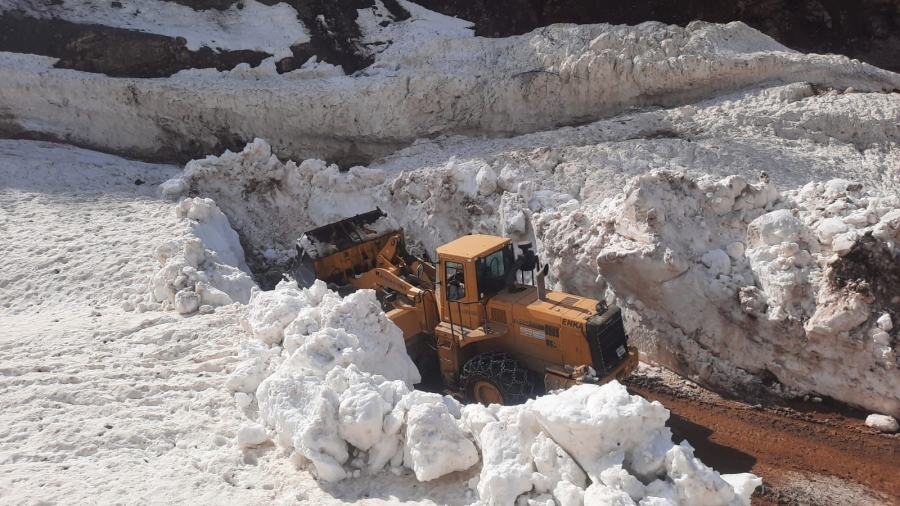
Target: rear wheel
{"type": "Point", "coordinates": [496, 378]}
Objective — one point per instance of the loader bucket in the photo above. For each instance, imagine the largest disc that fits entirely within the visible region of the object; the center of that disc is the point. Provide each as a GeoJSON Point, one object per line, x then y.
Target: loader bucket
{"type": "Point", "coordinates": [339, 250]}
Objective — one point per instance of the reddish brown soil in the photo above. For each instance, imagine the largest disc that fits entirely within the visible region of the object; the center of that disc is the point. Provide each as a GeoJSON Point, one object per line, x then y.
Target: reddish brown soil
{"type": "Point", "coordinates": [774, 441]}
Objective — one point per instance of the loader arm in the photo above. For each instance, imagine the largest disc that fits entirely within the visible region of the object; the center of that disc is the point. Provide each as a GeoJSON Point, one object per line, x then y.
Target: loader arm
{"type": "Point", "coordinates": [380, 278]}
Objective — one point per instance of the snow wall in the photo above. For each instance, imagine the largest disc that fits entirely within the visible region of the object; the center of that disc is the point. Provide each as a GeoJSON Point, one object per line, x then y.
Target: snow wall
{"type": "Point", "coordinates": [328, 379]}
{"type": "Point", "coordinates": [729, 277]}
{"type": "Point", "coordinates": [727, 281]}
{"type": "Point", "coordinates": [431, 76]}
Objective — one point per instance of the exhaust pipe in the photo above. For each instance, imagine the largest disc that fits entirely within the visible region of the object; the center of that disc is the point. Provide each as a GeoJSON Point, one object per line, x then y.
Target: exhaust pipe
{"type": "Point", "coordinates": [541, 289]}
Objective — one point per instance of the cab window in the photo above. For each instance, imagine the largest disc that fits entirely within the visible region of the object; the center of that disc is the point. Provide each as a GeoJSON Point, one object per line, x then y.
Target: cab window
{"type": "Point", "coordinates": [492, 270]}
{"type": "Point", "coordinates": [456, 287]}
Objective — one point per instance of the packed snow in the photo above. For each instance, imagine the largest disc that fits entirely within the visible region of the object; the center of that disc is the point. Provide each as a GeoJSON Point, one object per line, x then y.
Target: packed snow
{"type": "Point", "coordinates": [268, 28]}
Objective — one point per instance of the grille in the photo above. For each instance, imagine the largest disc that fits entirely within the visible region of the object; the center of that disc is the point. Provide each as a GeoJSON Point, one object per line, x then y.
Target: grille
{"type": "Point", "coordinates": [498, 315]}
{"type": "Point", "coordinates": [552, 331]}
{"type": "Point", "coordinates": [607, 339]}
{"type": "Point", "coordinates": [569, 301]}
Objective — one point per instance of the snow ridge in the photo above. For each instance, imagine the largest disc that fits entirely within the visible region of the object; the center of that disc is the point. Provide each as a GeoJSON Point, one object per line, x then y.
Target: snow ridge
{"type": "Point", "coordinates": [428, 80]}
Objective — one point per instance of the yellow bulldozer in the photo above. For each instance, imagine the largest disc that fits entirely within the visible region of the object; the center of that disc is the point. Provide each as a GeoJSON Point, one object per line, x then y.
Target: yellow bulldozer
{"type": "Point", "coordinates": [496, 338]}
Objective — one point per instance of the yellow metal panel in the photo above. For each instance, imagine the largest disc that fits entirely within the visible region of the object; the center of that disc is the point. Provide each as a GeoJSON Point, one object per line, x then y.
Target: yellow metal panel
{"type": "Point", "coordinates": [409, 319]}
{"type": "Point", "coordinates": [472, 246]}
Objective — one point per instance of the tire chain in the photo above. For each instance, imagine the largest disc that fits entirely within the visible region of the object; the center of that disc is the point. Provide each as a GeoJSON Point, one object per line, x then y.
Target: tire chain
{"type": "Point", "coordinates": [514, 382]}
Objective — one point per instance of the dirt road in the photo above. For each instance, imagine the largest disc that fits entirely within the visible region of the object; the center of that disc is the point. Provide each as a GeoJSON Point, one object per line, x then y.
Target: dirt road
{"type": "Point", "coordinates": [806, 452]}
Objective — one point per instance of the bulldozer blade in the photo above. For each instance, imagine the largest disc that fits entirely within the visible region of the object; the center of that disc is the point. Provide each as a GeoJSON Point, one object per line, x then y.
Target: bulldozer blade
{"type": "Point", "coordinates": [347, 233]}
{"type": "Point", "coordinates": [352, 233]}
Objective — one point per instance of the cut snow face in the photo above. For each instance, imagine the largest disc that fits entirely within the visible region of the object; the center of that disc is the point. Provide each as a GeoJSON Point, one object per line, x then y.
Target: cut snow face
{"type": "Point", "coordinates": [727, 277]}
{"type": "Point", "coordinates": [329, 380]}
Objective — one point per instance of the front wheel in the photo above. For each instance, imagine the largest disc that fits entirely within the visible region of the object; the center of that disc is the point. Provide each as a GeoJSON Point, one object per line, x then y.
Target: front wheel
{"type": "Point", "coordinates": [496, 378]}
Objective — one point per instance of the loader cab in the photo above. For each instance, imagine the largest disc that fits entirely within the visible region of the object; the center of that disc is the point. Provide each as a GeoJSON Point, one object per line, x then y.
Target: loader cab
{"type": "Point", "coordinates": [471, 269]}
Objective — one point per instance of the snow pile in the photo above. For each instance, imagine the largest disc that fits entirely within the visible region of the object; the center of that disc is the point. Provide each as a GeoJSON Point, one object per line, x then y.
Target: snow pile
{"type": "Point", "coordinates": [273, 203]}
{"type": "Point", "coordinates": [339, 395]}
{"type": "Point", "coordinates": [593, 445]}
{"type": "Point", "coordinates": [201, 269]}
{"type": "Point", "coordinates": [332, 383]}
{"type": "Point", "coordinates": [729, 277]}
{"type": "Point", "coordinates": [882, 423]}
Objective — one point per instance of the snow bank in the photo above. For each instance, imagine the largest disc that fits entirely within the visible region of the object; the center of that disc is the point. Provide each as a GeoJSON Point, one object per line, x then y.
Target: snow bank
{"type": "Point", "coordinates": [273, 203]}
{"type": "Point", "coordinates": [728, 277]}
{"type": "Point", "coordinates": [427, 80]}
{"type": "Point", "coordinates": [201, 269]}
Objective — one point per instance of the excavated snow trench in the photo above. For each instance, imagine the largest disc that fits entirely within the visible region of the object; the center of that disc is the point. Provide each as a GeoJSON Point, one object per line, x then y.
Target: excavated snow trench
{"type": "Point", "coordinates": [758, 107]}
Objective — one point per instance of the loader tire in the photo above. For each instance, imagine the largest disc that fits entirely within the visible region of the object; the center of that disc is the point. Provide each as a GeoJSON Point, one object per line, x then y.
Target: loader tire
{"type": "Point", "coordinates": [496, 378]}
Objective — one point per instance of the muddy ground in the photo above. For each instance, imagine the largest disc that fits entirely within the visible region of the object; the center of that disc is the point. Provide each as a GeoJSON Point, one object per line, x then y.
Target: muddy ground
{"type": "Point", "coordinates": [807, 452]}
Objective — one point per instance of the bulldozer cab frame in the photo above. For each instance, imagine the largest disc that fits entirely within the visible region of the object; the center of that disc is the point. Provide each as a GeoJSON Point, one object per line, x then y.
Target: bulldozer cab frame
{"type": "Point", "coordinates": [471, 270]}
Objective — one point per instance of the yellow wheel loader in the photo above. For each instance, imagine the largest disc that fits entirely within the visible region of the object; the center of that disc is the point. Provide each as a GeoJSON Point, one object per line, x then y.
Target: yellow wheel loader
{"type": "Point", "coordinates": [496, 339]}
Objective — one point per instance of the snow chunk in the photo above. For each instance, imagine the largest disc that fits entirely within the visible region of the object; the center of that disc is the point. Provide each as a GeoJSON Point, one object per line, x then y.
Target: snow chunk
{"type": "Point", "coordinates": [303, 411]}
{"type": "Point", "coordinates": [828, 228]}
{"type": "Point", "coordinates": [507, 466]}
{"type": "Point", "coordinates": [246, 376]}
{"type": "Point", "coordinates": [775, 228]}
{"type": "Point", "coordinates": [717, 261]}
{"type": "Point", "coordinates": [883, 423]}
{"type": "Point", "coordinates": [735, 250]}
{"type": "Point", "coordinates": [884, 322]}
{"type": "Point", "coordinates": [251, 435]}
{"type": "Point", "coordinates": [695, 483]}
{"type": "Point", "coordinates": [435, 444]}
{"type": "Point", "coordinates": [242, 399]}
{"type": "Point", "coordinates": [744, 484]}
{"type": "Point", "coordinates": [590, 422]}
